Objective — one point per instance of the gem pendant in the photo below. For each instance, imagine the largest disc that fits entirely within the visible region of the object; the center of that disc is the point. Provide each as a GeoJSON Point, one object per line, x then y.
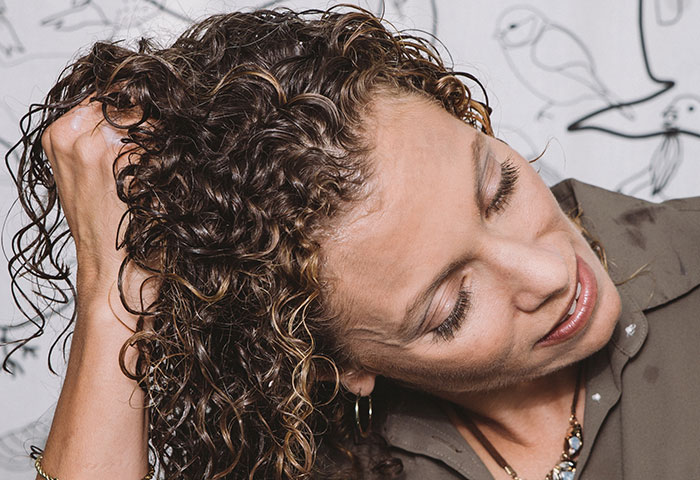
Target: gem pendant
{"type": "Point", "coordinates": [573, 442]}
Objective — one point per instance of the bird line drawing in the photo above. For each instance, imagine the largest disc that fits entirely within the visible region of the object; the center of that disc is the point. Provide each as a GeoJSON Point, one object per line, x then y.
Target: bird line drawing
{"type": "Point", "coordinates": [550, 60]}
{"type": "Point", "coordinates": [664, 85]}
{"type": "Point", "coordinates": [117, 15]}
{"type": "Point", "coordinates": [555, 65]}
{"type": "Point", "coordinates": [673, 119]}
{"type": "Point", "coordinates": [667, 157]}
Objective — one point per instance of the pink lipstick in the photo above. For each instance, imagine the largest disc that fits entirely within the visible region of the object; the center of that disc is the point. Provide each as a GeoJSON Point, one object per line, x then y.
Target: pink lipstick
{"type": "Point", "coordinates": [580, 308]}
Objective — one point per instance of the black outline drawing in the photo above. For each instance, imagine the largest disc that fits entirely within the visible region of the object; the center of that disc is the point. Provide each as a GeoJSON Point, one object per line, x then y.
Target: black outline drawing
{"type": "Point", "coordinates": [14, 364]}
{"type": "Point", "coordinates": [670, 14]}
{"type": "Point", "coordinates": [380, 10]}
{"type": "Point", "coordinates": [108, 13]}
{"type": "Point", "coordinates": [5, 145]}
{"type": "Point", "coordinates": [533, 47]}
{"type": "Point", "coordinates": [588, 121]}
{"type": "Point", "coordinates": [54, 309]}
{"type": "Point", "coordinates": [10, 44]}
{"type": "Point", "coordinates": [668, 155]}
{"type": "Point", "coordinates": [270, 4]}
{"type": "Point", "coordinates": [15, 445]}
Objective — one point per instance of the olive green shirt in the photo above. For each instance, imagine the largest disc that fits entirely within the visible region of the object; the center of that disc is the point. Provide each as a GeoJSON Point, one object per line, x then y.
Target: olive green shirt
{"type": "Point", "coordinates": [642, 416]}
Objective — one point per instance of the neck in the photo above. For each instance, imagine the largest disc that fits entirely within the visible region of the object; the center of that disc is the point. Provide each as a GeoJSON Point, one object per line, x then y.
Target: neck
{"type": "Point", "coordinates": [515, 412]}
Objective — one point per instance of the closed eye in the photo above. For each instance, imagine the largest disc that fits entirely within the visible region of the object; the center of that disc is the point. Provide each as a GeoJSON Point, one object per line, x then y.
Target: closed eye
{"type": "Point", "coordinates": [446, 330]}
{"type": "Point", "coordinates": [509, 177]}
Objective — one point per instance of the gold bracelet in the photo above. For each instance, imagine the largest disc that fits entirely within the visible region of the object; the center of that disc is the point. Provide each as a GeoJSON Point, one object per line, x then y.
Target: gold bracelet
{"type": "Point", "coordinates": [44, 475]}
{"type": "Point", "coordinates": [40, 471]}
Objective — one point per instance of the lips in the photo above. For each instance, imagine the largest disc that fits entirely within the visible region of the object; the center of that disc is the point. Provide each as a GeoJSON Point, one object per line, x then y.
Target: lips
{"type": "Point", "coordinates": [579, 309]}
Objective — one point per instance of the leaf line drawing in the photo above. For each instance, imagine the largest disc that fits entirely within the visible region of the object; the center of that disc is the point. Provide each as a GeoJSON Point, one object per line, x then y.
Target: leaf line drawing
{"type": "Point", "coordinates": [13, 363]}
{"type": "Point", "coordinates": [5, 144]}
{"type": "Point", "coordinates": [16, 444]}
{"type": "Point", "coordinates": [10, 44]}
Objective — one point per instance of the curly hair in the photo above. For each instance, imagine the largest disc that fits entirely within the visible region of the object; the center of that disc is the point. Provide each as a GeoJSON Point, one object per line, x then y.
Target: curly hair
{"type": "Point", "coordinates": [250, 143]}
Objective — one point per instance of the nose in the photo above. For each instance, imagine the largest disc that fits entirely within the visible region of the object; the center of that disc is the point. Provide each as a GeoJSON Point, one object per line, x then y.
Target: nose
{"type": "Point", "coordinates": [532, 270]}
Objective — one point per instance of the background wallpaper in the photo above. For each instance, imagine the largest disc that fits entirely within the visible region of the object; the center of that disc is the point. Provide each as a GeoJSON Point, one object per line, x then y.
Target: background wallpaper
{"type": "Point", "coordinates": [611, 88]}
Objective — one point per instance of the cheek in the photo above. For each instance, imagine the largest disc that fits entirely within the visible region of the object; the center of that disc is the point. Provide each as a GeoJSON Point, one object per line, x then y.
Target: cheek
{"type": "Point", "coordinates": [489, 329]}
{"type": "Point", "coordinates": [540, 211]}
{"type": "Point", "coordinates": [471, 357]}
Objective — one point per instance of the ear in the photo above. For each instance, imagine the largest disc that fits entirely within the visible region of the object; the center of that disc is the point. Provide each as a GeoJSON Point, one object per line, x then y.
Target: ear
{"type": "Point", "coordinates": [359, 382]}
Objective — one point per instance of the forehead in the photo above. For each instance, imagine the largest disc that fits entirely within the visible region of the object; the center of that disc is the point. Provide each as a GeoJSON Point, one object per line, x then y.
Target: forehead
{"type": "Point", "coordinates": [393, 242]}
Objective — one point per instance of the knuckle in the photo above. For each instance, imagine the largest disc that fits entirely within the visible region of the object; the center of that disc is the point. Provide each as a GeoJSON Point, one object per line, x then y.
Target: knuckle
{"type": "Point", "coordinates": [46, 142]}
{"type": "Point", "coordinates": [58, 137]}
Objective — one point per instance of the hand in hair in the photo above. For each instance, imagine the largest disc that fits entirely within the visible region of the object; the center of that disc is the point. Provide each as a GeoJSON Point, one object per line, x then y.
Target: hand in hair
{"type": "Point", "coordinates": [99, 429]}
{"type": "Point", "coordinates": [84, 150]}
{"type": "Point", "coordinates": [81, 147]}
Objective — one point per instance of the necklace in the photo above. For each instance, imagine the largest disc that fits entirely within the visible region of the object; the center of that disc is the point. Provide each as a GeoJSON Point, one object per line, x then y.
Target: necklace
{"type": "Point", "coordinates": [565, 469]}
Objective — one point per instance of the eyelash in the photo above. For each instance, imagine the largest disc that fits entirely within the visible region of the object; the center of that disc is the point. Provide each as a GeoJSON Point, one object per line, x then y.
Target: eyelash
{"type": "Point", "coordinates": [509, 177]}
{"type": "Point", "coordinates": [446, 330]}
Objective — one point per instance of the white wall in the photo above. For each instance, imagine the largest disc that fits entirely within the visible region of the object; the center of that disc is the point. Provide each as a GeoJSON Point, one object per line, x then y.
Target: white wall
{"type": "Point", "coordinates": [555, 74]}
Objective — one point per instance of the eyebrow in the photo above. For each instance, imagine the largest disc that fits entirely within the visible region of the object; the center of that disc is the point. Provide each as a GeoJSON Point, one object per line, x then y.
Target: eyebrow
{"type": "Point", "coordinates": [412, 325]}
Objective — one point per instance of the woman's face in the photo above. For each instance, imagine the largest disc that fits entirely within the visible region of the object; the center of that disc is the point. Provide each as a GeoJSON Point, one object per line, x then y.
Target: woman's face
{"type": "Point", "coordinates": [455, 272]}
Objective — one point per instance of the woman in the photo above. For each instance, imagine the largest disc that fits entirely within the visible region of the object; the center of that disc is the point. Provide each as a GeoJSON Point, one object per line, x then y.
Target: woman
{"type": "Point", "coordinates": [316, 260]}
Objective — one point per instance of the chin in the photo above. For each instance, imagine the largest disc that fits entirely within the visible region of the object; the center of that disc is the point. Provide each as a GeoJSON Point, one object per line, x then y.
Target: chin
{"type": "Point", "coordinates": [602, 325]}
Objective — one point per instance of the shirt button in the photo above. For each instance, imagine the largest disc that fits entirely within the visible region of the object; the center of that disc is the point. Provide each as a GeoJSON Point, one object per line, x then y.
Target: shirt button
{"type": "Point", "coordinates": [596, 397]}
{"type": "Point", "coordinates": [630, 329]}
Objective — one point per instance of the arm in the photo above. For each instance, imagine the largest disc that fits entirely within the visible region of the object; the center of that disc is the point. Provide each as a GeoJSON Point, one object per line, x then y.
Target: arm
{"type": "Point", "coordinates": [100, 426]}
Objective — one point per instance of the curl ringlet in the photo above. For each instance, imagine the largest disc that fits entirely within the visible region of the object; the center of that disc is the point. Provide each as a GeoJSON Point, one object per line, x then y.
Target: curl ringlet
{"type": "Point", "coordinates": [249, 142]}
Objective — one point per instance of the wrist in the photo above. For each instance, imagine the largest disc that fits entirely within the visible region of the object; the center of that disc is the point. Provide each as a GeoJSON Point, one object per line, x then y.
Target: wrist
{"type": "Point", "coordinates": [98, 295]}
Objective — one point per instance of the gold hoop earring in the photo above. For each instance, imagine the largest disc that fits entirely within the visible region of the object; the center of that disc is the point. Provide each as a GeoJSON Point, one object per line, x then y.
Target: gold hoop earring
{"type": "Point", "coordinates": [364, 432]}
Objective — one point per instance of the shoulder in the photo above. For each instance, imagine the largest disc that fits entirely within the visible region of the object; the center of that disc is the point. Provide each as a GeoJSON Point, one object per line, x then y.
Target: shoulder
{"type": "Point", "coordinates": [411, 439]}
{"type": "Point", "coordinates": [616, 211]}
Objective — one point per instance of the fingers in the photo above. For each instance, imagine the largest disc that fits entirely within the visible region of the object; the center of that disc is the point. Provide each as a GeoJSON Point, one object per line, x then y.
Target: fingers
{"type": "Point", "coordinates": [85, 122]}
{"type": "Point", "coordinates": [81, 147]}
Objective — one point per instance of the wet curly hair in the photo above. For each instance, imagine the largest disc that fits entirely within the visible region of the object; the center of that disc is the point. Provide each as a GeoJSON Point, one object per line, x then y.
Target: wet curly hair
{"type": "Point", "coordinates": [250, 143]}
